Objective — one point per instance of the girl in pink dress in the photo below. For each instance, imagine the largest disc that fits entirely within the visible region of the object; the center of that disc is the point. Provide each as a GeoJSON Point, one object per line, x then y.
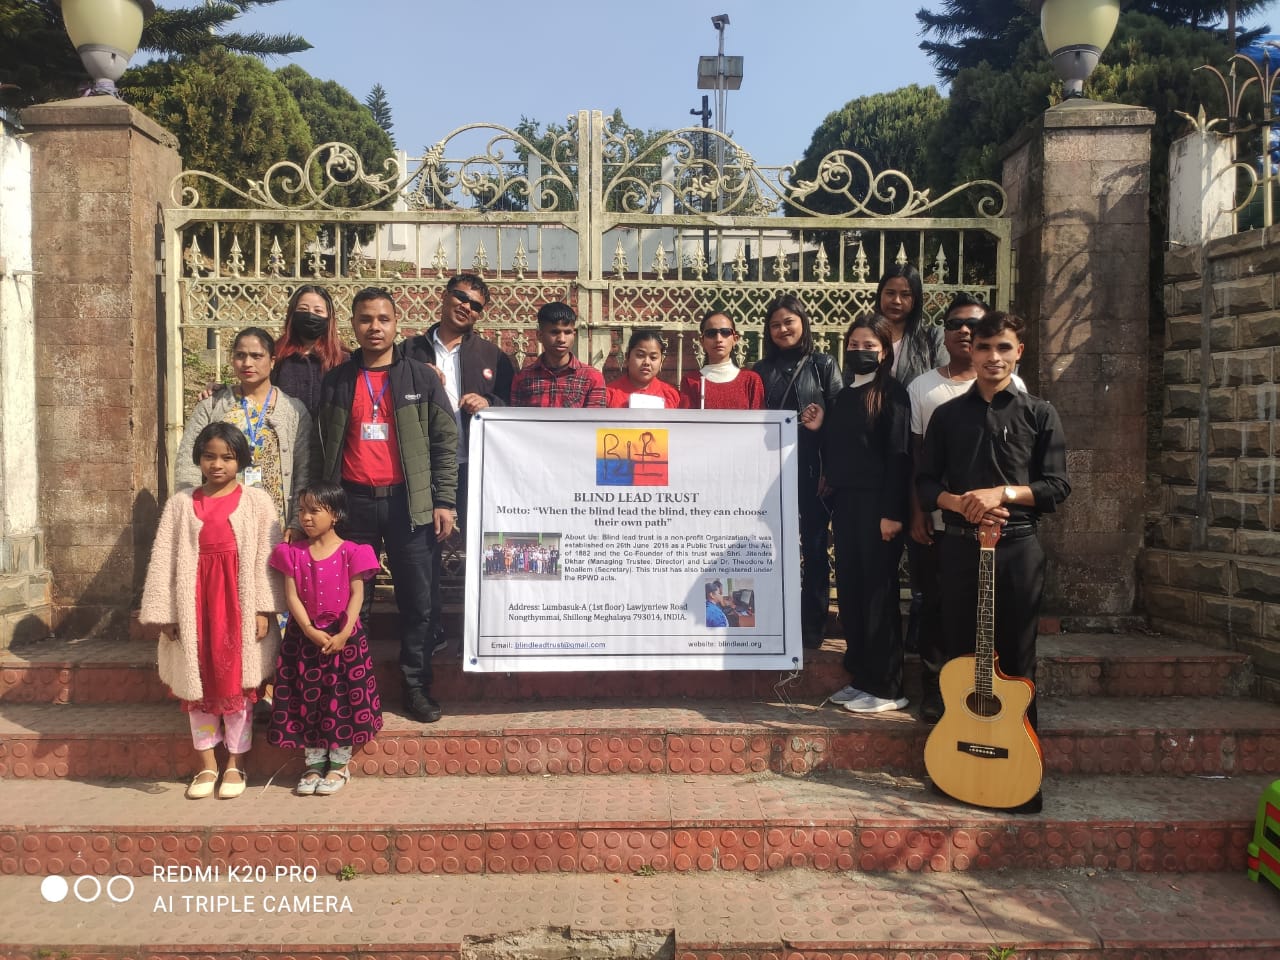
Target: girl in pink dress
{"type": "Point", "coordinates": [326, 698]}
{"type": "Point", "coordinates": [211, 598]}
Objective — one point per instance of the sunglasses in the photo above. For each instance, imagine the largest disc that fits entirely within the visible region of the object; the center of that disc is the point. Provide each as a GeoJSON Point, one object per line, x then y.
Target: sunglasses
{"type": "Point", "coordinates": [956, 323]}
{"type": "Point", "coordinates": [725, 332]}
{"type": "Point", "coordinates": [461, 297]}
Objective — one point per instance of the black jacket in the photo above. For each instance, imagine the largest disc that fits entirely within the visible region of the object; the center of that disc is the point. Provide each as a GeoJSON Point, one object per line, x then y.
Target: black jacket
{"type": "Point", "coordinates": [818, 381]}
{"type": "Point", "coordinates": [486, 370]}
{"type": "Point", "coordinates": [873, 459]}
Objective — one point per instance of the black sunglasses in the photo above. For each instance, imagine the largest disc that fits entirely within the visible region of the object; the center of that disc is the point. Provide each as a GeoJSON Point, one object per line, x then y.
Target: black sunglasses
{"type": "Point", "coordinates": [955, 323]}
{"type": "Point", "coordinates": [461, 297]}
{"type": "Point", "coordinates": [725, 332]}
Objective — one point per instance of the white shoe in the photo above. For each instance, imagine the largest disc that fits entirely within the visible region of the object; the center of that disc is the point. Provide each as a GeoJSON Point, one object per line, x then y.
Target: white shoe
{"type": "Point", "coordinates": [846, 694]}
{"type": "Point", "coordinates": [867, 703]}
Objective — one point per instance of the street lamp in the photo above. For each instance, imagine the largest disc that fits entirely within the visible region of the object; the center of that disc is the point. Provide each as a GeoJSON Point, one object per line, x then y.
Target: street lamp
{"type": "Point", "coordinates": [105, 34]}
{"type": "Point", "coordinates": [1076, 32]}
{"type": "Point", "coordinates": [721, 74]}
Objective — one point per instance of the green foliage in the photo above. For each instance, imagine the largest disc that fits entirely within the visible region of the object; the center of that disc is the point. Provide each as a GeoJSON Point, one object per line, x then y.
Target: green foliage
{"type": "Point", "coordinates": [36, 55]}
{"type": "Point", "coordinates": [889, 130]}
{"type": "Point", "coordinates": [232, 116]}
{"type": "Point", "coordinates": [380, 107]}
{"type": "Point", "coordinates": [348, 872]}
{"type": "Point", "coordinates": [967, 33]}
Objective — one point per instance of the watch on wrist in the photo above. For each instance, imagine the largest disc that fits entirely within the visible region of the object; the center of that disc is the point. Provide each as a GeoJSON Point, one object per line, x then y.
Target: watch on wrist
{"type": "Point", "coordinates": [1010, 494]}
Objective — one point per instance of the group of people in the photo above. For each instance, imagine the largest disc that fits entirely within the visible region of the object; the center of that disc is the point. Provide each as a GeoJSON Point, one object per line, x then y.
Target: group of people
{"type": "Point", "coordinates": [521, 558]}
{"type": "Point", "coordinates": [916, 435]}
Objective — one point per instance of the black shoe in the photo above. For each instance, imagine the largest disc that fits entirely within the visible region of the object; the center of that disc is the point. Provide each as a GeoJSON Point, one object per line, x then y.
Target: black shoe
{"type": "Point", "coordinates": [931, 707]}
{"type": "Point", "coordinates": [440, 644]}
{"type": "Point", "coordinates": [420, 706]}
{"type": "Point", "coordinates": [1034, 805]}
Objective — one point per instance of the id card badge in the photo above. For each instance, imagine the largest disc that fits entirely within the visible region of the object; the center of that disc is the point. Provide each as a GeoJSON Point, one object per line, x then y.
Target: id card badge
{"type": "Point", "coordinates": [253, 476]}
{"type": "Point", "coordinates": [375, 430]}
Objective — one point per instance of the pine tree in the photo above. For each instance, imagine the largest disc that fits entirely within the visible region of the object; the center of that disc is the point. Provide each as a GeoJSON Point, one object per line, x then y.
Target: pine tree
{"type": "Point", "coordinates": [380, 107]}
{"type": "Point", "coordinates": [36, 55]}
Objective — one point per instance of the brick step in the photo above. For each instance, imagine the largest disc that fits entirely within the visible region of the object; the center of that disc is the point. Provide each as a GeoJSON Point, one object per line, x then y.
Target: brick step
{"type": "Point", "coordinates": [1116, 665]}
{"type": "Point", "coordinates": [1168, 736]}
{"type": "Point", "coordinates": [1083, 915]}
{"type": "Point", "coordinates": [754, 823]}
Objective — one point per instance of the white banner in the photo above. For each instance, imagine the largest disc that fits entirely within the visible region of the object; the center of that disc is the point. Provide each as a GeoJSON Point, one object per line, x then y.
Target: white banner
{"type": "Point", "coordinates": [632, 540]}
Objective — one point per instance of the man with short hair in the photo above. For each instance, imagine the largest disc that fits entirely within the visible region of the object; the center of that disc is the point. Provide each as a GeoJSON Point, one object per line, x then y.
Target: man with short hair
{"type": "Point", "coordinates": [387, 434]}
{"type": "Point", "coordinates": [994, 455]}
{"type": "Point", "coordinates": [477, 374]}
{"type": "Point", "coordinates": [928, 392]}
{"type": "Point", "coordinates": [557, 378]}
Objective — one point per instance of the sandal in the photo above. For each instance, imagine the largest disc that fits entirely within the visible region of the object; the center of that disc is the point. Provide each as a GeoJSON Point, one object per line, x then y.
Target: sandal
{"type": "Point", "coordinates": [200, 789]}
{"type": "Point", "coordinates": [328, 787]}
{"type": "Point", "coordinates": [311, 779]}
{"type": "Point", "coordinates": [229, 791]}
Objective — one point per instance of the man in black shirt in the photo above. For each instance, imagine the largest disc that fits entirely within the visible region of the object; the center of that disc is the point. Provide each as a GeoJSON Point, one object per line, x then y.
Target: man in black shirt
{"type": "Point", "coordinates": [994, 455]}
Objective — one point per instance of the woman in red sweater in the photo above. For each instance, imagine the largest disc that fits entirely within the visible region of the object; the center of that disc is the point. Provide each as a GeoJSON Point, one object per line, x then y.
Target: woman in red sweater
{"type": "Point", "coordinates": [720, 384]}
{"type": "Point", "coordinates": [639, 385]}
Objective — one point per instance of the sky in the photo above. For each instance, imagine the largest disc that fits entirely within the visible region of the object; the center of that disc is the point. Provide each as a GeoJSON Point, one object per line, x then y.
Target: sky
{"type": "Point", "coordinates": [444, 65]}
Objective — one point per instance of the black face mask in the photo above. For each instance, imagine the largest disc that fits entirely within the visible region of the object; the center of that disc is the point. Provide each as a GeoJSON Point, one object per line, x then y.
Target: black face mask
{"type": "Point", "coordinates": [309, 326]}
{"type": "Point", "coordinates": [861, 361]}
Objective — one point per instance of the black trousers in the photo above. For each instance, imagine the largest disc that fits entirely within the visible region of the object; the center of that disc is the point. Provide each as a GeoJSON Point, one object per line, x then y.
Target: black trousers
{"type": "Point", "coordinates": [926, 583]}
{"type": "Point", "coordinates": [815, 566]}
{"type": "Point", "coordinates": [867, 584]}
{"type": "Point", "coordinates": [1019, 582]}
{"type": "Point", "coordinates": [459, 535]}
{"type": "Point", "coordinates": [411, 555]}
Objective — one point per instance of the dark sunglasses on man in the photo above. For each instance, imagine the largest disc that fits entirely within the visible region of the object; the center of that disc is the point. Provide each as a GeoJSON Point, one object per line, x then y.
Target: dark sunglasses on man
{"type": "Point", "coordinates": [475, 305]}
{"type": "Point", "coordinates": [955, 323]}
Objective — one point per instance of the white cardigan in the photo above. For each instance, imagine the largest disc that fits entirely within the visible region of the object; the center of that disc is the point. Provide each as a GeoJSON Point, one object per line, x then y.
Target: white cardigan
{"type": "Point", "coordinates": [170, 592]}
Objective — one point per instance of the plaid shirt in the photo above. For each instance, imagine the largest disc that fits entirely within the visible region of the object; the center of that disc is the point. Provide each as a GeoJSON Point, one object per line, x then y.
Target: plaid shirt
{"type": "Point", "coordinates": [573, 385]}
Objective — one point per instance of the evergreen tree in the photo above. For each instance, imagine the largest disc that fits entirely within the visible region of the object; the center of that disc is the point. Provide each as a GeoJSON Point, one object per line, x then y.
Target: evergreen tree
{"type": "Point", "coordinates": [380, 107]}
{"type": "Point", "coordinates": [37, 58]}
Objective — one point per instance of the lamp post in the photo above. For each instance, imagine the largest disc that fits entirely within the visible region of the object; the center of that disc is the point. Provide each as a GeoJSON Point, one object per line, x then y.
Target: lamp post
{"type": "Point", "coordinates": [1076, 32]}
{"type": "Point", "coordinates": [105, 34]}
{"type": "Point", "coordinates": [721, 74]}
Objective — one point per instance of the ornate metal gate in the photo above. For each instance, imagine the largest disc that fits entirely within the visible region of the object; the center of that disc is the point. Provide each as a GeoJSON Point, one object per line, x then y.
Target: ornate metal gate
{"type": "Point", "coordinates": [629, 234]}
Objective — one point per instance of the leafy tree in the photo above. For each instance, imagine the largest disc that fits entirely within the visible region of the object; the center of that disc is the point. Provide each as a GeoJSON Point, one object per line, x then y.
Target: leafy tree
{"type": "Point", "coordinates": [36, 55]}
{"type": "Point", "coordinates": [380, 107]}
{"type": "Point", "coordinates": [232, 116]}
{"type": "Point", "coordinates": [967, 33]}
{"type": "Point", "coordinates": [889, 130]}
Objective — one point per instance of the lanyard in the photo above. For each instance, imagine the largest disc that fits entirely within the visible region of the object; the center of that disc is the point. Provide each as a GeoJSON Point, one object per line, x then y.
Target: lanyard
{"type": "Point", "coordinates": [377, 401]}
{"type": "Point", "coordinates": [250, 427]}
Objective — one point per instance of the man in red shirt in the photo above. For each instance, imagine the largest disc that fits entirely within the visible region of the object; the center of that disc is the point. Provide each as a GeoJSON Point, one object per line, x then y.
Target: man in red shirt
{"type": "Point", "coordinates": [557, 378]}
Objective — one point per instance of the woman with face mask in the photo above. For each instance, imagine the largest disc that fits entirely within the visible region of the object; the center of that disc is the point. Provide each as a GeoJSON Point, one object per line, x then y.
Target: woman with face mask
{"type": "Point", "coordinates": [309, 346]}
{"type": "Point", "coordinates": [866, 461]}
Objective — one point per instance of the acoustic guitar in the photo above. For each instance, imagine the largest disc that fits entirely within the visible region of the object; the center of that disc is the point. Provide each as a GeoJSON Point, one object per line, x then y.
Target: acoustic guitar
{"type": "Point", "coordinates": [983, 751]}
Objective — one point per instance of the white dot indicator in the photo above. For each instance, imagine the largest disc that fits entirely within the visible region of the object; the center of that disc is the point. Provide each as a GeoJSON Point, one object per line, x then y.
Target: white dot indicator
{"type": "Point", "coordinates": [54, 889]}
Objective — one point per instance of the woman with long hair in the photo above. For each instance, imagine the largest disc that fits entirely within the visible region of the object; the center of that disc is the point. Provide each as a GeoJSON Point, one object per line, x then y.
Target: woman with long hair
{"type": "Point", "coordinates": [797, 377]}
{"type": "Point", "coordinates": [720, 384]}
{"type": "Point", "coordinates": [309, 347]}
{"type": "Point", "coordinates": [866, 460]}
{"type": "Point", "coordinates": [917, 346]}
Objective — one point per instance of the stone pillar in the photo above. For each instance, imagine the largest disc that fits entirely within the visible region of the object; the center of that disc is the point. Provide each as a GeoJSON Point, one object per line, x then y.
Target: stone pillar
{"type": "Point", "coordinates": [24, 581]}
{"type": "Point", "coordinates": [101, 175]}
{"type": "Point", "coordinates": [1078, 182]}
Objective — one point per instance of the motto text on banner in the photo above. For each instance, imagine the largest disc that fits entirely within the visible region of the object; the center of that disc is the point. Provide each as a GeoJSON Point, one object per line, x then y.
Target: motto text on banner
{"type": "Point", "coordinates": [632, 540]}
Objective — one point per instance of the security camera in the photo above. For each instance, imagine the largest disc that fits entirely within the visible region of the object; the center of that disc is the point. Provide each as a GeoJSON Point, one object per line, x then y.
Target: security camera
{"type": "Point", "coordinates": [720, 21]}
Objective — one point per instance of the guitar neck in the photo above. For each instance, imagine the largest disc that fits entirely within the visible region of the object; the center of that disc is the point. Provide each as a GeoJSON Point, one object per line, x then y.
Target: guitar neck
{"type": "Point", "coordinates": [985, 661]}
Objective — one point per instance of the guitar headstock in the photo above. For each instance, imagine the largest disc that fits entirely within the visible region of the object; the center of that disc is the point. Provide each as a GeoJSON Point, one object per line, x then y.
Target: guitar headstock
{"type": "Point", "coordinates": [988, 535]}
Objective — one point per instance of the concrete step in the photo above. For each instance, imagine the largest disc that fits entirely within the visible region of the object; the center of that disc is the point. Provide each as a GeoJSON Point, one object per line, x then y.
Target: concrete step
{"type": "Point", "coordinates": [1078, 914]}
{"type": "Point", "coordinates": [757, 823]}
{"type": "Point", "coordinates": [1113, 665]}
{"type": "Point", "coordinates": [1165, 737]}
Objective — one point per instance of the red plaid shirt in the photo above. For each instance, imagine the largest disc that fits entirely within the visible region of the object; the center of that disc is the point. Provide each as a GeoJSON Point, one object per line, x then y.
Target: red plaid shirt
{"type": "Point", "coordinates": [573, 385]}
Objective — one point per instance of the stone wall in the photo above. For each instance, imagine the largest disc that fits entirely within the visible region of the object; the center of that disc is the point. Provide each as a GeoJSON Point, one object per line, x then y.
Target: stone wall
{"type": "Point", "coordinates": [1212, 567]}
{"type": "Point", "coordinates": [101, 172]}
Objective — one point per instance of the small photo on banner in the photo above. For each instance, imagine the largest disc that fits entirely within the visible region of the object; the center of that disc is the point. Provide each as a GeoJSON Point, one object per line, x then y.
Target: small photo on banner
{"type": "Point", "coordinates": [627, 457]}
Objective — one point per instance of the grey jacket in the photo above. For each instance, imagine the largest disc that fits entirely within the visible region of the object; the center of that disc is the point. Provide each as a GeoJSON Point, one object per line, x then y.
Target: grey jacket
{"type": "Point", "coordinates": [291, 423]}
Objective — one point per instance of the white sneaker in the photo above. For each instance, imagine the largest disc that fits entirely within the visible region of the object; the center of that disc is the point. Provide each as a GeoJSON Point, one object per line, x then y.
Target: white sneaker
{"type": "Point", "coordinates": [846, 694]}
{"type": "Point", "coordinates": [867, 703]}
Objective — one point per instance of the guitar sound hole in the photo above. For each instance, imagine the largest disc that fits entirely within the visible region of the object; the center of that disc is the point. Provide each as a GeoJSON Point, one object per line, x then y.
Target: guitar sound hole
{"type": "Point", "coordinates": [983, 706]}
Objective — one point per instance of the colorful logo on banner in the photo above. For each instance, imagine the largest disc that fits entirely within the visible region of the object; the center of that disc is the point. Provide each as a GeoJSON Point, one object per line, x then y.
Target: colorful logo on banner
{"type": "Point", "coordinates": [631, 458]}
